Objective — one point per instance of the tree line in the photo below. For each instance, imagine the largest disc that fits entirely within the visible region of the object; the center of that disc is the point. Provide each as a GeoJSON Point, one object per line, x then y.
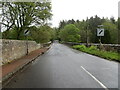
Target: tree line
{"type": "Point", "coordinates": [81, 31]}
{"type": "Point", "coordinates": [17, 17]}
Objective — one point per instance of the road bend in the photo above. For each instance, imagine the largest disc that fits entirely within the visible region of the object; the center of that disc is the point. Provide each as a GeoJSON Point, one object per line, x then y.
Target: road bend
{"type": "Point", "coordinates": [63, 67]}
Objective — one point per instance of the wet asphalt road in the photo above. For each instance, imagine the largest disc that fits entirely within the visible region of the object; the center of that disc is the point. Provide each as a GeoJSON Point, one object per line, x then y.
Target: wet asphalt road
{"type": "Point", "coordinates": [63, 67]}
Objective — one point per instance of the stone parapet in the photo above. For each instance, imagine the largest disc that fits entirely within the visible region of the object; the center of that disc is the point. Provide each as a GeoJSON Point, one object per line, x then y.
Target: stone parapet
{"type": "Point", "coordinates": [14, 49]}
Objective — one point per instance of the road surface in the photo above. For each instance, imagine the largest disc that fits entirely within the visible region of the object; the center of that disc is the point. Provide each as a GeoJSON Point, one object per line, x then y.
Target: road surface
{"type": "Point", "coordinates": [63, 67]}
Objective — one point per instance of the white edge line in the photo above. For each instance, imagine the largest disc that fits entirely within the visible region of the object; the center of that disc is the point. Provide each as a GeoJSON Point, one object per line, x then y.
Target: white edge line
{"type": "Point", "coordinates": [95, 78]}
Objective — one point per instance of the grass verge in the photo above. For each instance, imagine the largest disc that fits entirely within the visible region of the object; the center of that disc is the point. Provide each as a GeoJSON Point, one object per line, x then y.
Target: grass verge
{"type": "Point", "coordinates": [95, 51]}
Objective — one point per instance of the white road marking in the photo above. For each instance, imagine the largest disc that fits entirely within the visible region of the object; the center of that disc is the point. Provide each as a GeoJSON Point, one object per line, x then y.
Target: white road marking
{"type": "Point", "coordinates": [95, 78]}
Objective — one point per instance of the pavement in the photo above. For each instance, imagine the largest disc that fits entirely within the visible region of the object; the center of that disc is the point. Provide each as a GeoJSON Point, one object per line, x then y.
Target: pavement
{"type": "Point", "coordinates": [63, 67]}
{"type": "Point", "coordinates": [10, 69]}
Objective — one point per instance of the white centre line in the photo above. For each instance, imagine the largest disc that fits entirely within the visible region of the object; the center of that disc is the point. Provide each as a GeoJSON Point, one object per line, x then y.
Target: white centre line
{"type": "Point", "coordinates": [95, 78]}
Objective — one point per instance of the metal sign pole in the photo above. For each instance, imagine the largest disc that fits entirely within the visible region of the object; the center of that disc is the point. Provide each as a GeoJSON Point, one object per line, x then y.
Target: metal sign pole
{"type": "Point", "coordinates": [26, 45]}
{"type": "Point", "coordinates": [100, 42]}
{"type": "Point", "coordinates": [100, 33]}
{"type": "Point", "coordinates": [26, 33]}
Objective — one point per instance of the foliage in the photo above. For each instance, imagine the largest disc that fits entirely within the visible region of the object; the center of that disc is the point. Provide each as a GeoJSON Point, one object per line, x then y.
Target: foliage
{"type": "Point", "coordinates": [88, 29]}
{"type": "Point", "coordinates": [0, 35]}
{"type": "Point", "coordinates": [79, 47]}
{"type": "Point", "coordinates": [93, 50]}
{"type": "Point", "coordinates": [63, 23]}
{"type": "Point", "coordinates": [21, 15]}
{"type": "Point", "coordinates": [70, 33]}
{"type": "Point", "coordinates": [118, 24]}
{"type": "Point", "coordinates": [111, 31]}
{"type": "Point", "coordinates": [42, 34]}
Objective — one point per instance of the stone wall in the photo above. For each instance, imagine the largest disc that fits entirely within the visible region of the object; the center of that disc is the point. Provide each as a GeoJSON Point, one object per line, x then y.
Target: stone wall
{"type": "Point", "coordinates": [14, 49]}
{"type": "Point", "coordinates": [0, 63]}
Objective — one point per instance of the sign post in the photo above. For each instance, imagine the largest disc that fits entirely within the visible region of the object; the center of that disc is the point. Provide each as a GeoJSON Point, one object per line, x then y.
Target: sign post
{"type": "Point", "coordinates": [100, 32]}
{"type": "Point", "coordinates": [26, 33]}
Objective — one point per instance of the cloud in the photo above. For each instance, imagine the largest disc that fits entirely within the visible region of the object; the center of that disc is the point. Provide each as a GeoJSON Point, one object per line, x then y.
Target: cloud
{"type": "Point", "coordinates": [80, 9]}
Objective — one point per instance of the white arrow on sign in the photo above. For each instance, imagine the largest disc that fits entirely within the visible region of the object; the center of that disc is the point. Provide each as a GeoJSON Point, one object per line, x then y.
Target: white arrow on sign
{"type": "Point", "coordinates": [100, 32]}
{"type": "Point", "coordinates": [26, 32]}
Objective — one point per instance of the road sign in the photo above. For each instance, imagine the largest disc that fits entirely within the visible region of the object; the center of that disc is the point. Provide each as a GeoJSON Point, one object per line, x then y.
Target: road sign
{"type": "Point", "coordinates": [100, 32]}
{"type": "Point", "coordinates": [26, 32]}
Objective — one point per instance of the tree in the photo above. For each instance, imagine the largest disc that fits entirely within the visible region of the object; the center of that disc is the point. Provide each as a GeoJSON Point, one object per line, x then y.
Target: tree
{"type": "Point", "coordinates": [93, 25]}
{"type": "Point", "coordinates": [88, 29]}
{"type": "Point", "coordinates": [42, 34]}
{"type": "Point", "coordinates": [118, 26]}
{"type": "Point", "coordinates": [21, 15]}
{"type": "Point", "coordinates": [62, 24]}
{"type": "Point", "coordinates": [82, 27]}
{"type": "Point", "coordinates": [71, 21]}
{"type": "Point", "coordinates": [111, 33]}
{"type": "Point", "coordinates": [70, 33]}
{"type": "Point", "coordinates": [112, 19]}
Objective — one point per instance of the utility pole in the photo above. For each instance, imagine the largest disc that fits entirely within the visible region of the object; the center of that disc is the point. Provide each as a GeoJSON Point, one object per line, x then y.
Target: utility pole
{"type": "Point", "coordinates": [87, 37]}
{"type": "Point", "coordinates": [0, 32]}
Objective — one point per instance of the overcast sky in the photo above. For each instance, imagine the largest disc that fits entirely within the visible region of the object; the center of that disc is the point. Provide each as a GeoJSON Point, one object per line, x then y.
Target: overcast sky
{"type": "Point", "coordinates": [80, 9]}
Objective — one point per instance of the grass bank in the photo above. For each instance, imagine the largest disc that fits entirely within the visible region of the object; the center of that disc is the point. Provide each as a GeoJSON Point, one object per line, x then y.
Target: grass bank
{"type": "Point", "coordinates": [95, 51]}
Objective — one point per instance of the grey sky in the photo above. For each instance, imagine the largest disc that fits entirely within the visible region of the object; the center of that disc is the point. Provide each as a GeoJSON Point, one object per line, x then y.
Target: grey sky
{"type": "Point", "coordinates": [80, 9]}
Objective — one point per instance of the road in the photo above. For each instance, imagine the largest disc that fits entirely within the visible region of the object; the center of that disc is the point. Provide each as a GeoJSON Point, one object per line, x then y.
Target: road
{"type": "Point", "coordinates": [63, 67]}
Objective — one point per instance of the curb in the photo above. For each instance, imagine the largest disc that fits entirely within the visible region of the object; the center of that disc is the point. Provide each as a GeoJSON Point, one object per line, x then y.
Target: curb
{"type": "Point", "coordinates": [7, 77]}
{"type": "Point", "coordinates": [17, 69]}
